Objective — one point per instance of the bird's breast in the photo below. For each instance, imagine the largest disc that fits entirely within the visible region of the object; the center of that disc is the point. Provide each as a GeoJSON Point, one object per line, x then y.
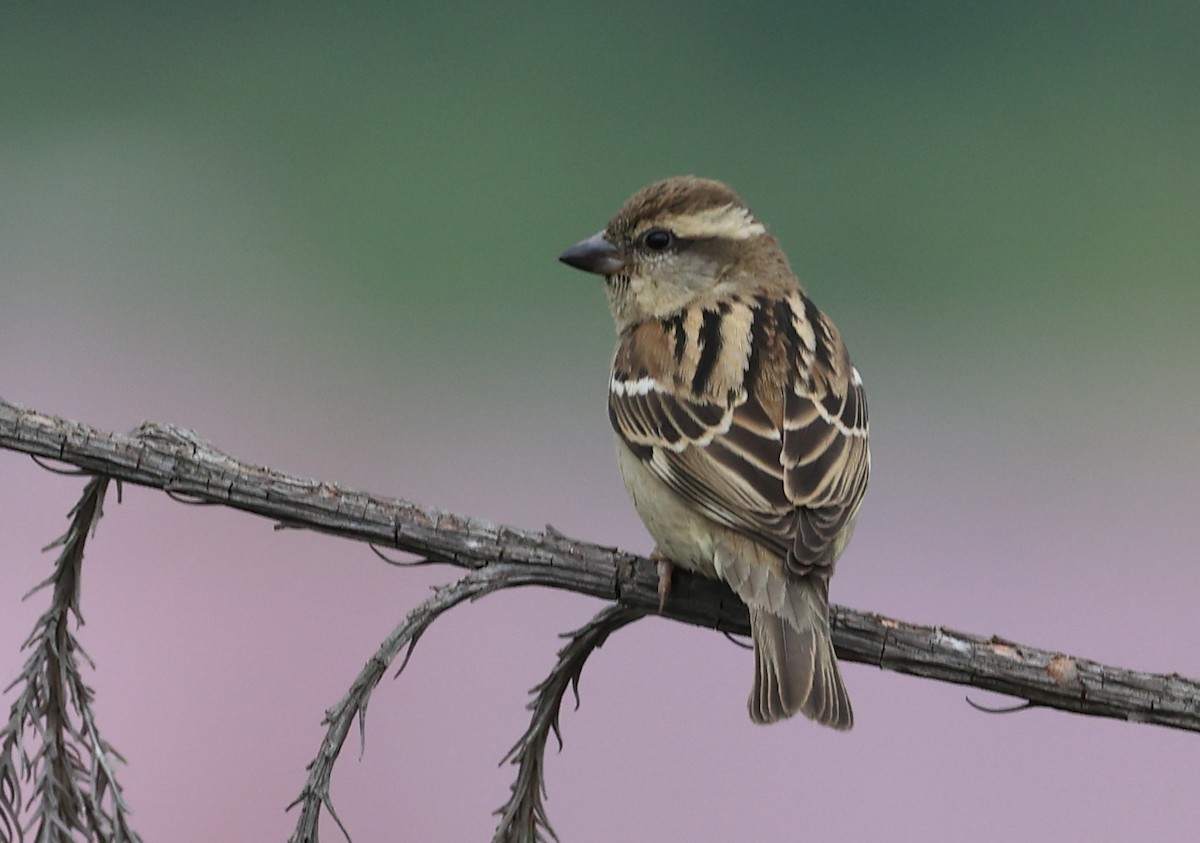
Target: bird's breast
{"type": "Point", "coordinates": [681, 533]}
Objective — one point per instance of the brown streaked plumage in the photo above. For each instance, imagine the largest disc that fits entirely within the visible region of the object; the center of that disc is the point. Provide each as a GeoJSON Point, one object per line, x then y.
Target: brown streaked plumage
{"type": "Point", "coordinates": [741, 424]}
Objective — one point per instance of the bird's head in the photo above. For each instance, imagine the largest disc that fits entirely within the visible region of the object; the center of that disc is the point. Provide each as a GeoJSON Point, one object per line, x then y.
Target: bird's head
{"type": "Point", "coordinates": [676, 242]}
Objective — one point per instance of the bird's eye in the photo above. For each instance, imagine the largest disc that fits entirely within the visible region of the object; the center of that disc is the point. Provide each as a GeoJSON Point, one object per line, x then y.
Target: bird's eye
{"type": "Point", "coordinates": [657, 239]}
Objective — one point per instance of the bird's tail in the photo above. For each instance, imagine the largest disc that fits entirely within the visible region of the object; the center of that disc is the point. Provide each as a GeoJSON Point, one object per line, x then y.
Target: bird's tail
{"type": "Point", "coordinates": [795, 668]}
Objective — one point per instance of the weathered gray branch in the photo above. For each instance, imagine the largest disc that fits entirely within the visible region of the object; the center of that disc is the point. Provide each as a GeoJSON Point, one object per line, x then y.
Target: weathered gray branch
{"type": "Point", "coordinates": [174, 459]}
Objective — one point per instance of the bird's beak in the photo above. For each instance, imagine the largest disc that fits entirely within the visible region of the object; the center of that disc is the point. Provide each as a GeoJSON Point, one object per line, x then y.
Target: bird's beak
{"type": "Point", "coordinates": [595, 255]}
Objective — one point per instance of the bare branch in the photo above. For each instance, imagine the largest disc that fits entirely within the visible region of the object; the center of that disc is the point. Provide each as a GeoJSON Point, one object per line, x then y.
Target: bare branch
{"type": "Point", "coordinates": [175, 459]}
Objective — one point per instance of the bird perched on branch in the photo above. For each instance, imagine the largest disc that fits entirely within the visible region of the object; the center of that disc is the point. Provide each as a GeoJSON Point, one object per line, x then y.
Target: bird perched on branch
{"type": "Point", "coordinates": [741, 424]}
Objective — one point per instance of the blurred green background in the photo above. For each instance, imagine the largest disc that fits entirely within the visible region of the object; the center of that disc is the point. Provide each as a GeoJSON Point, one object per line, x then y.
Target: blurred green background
{"type": "Point", "coordinates": [324, 236]}
{"type": "Point", "coordinates": [1008, 177]}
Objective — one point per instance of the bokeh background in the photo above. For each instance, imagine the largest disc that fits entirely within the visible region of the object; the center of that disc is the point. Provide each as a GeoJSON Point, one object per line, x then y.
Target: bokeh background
{"type": "Point", "coordinates": [324, 237]}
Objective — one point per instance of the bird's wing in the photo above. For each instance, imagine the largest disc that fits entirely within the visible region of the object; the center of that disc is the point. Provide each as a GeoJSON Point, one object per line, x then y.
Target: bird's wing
{"type": "Point", "coordinates": [740, 410]}
{"type": "Point", "coordinates": [826, 458]}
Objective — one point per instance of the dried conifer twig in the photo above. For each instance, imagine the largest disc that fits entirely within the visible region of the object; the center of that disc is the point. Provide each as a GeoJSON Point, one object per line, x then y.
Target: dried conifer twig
{"type": "Point", "coordinates": [51, 738]}
{"type": "Point", "coordinates": [523, 817]}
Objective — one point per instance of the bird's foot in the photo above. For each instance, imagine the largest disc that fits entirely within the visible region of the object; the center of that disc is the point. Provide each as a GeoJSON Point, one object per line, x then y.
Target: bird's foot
{"type": "Point", "coordinates": [665, 569]}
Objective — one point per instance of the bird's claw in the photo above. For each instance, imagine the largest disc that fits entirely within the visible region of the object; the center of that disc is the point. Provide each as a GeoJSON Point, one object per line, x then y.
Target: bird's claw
{"type": "Point", "coordinates": [666, 568]}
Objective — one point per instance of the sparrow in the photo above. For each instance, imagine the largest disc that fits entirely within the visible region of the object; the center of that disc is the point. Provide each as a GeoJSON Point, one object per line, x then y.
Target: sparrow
{"type": "Point", "coordinates": [741, 424]}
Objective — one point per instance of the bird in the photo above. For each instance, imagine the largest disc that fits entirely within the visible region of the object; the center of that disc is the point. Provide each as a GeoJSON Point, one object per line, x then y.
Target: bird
{"type": "Point", "coordinates": [740, 423]}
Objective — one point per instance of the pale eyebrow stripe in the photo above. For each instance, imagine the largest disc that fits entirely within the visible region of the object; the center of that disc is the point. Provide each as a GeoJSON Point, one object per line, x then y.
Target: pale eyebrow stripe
{"type": "Point", "coordinates": [731, 222]}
